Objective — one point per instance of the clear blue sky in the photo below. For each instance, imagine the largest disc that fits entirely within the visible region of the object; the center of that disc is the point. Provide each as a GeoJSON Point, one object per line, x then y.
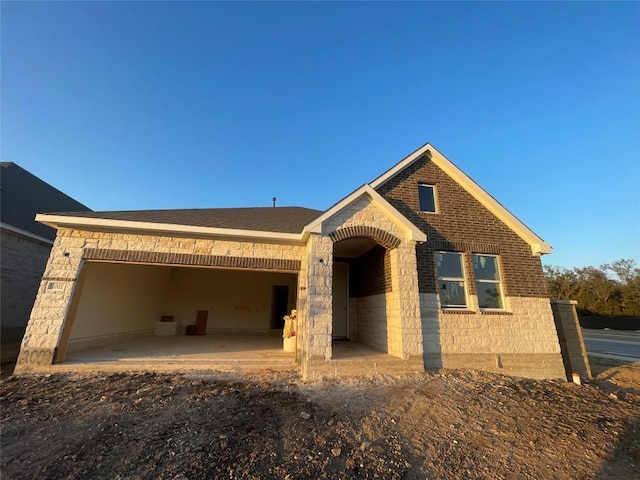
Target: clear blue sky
{"type": "Point", "coordinates": [184, 105]}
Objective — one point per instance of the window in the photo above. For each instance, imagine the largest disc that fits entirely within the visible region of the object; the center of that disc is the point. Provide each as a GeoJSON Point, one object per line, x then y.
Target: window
{"type": "Point", "coordinates": [427, 198]}
{"type": "Point", "coordinates": [451, 283]}
{"type": "Point", "coordinates": [488, 283]}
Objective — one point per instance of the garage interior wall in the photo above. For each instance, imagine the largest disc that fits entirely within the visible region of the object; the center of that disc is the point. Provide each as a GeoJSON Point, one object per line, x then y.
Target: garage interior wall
{"type": "Point", "coordinates": [236, 300]}
{"type": "Point", "coordinates": [118, 302]}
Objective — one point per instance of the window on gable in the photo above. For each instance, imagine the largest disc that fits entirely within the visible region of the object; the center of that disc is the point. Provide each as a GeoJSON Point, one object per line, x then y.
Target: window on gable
{"type": "Point", "coordinates": [452, 286]}
{"type": "Point", "coordinates": [427, 197]}
{"type": "Point", "coordinates": [488, 281]}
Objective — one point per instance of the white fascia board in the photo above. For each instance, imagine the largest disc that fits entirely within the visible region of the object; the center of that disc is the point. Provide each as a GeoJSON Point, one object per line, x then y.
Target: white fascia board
{"type": "Point", "coordinates": [415, 233]}
{"type": "Point", "coordinates": [401, 165]}
{"type": "Point", "coordinates": [25, 233]}
{"type": "Point", "coordinates": [538, 245]}
{"type": "Point", "coordinates": [57, 221]}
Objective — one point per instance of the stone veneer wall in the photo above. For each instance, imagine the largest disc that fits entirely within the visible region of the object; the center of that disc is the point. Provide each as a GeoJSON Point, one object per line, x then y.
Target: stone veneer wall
{"type": "Point", "coordinates": [388, 321]}
{"type": "Point", "coordinates": [58, 283]}
{"type": "Point", "coordinates": [317, 318]}
{"type": "Point", "coordinates": [522, 342]}
{"type": "Point", "coordinates": [372, 321]}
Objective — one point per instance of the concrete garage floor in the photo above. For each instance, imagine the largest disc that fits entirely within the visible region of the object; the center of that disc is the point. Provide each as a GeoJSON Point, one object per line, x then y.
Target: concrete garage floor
{"type": "Point", "coordinates": [226, 352]}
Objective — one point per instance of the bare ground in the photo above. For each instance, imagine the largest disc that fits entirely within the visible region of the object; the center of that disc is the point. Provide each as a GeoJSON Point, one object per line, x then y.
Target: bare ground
{"type": "Point", "coordinates": [447, 425]}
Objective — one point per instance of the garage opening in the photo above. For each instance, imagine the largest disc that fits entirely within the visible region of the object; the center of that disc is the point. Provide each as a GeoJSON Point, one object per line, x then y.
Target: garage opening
{"type": "Point", "coordinates": [121, 307]}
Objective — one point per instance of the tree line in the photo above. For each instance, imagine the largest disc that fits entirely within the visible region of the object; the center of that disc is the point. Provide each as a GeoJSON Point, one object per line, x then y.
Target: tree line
{"type": "Point", "coordinates": [613, 289]}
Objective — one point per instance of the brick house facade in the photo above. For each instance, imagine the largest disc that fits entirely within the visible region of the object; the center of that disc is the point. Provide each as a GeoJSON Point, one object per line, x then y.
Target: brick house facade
{"type": "Point", "coordinates": [24, 243]}
{"type": "Point", "coordinates": [375, 268]}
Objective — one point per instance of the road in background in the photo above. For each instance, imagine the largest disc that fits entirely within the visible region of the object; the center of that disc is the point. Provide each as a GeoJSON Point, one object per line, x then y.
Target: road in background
{"type": "Point", "coordinates": [614, 344]}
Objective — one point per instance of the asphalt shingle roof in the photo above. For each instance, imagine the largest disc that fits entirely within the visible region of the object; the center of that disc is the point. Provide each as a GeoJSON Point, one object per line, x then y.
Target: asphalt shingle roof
{"type": "Point", "coordinates": [265, 219]}
{"type": "Point", "coordinates": [22, 195]}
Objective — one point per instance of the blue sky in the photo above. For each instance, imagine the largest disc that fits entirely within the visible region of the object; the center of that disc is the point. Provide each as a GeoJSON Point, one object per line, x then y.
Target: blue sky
{"type": "Point", "coordinates": [126, 105]}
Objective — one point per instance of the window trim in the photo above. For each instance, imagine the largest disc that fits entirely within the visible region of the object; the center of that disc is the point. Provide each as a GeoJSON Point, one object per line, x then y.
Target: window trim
{"type": "Point", "coordinates": [499, 282]}
{"type": "Point", "coordinates": [464, 280]}
{"type": "Point", "coordinates": [436, 206]}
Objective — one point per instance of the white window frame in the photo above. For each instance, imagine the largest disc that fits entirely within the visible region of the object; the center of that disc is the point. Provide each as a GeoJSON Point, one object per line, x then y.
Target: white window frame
{"type": "Point", "coordinates": [463, 279]}
{"type": "Point", "coordinates": [499, 282]}
{"type": "Point", "coordinates": [436, 207]}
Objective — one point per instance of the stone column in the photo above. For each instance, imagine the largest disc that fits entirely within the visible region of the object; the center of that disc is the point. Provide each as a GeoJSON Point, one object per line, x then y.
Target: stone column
{"type": "Point", "coordinates": [52, 304]}
{"type": "Point", "coordinates": [410, 302]}
{"type": "Point", "coordinates": [316, 340]}
{"type": "Point", "coordinates": [574, 353]}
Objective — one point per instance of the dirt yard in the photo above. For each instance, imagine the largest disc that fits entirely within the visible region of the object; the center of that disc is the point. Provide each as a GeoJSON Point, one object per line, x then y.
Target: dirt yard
{"type": "Point", "coordinates": [448, 425]}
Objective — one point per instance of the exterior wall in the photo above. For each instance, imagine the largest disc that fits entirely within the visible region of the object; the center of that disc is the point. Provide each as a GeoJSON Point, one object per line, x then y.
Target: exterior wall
{"type": "Point", "coordinates": [522, 342]}
{"type": "Point", "coordinates": [462, 224]}
{"type": "Point", "coordinates": [55, 294]}
{"type": "Point", "coordinates": [370, 274]}
{"type": "Point", "coordinates": [574, 353]}
{"type": "Point", "coordinates": [22, 262]}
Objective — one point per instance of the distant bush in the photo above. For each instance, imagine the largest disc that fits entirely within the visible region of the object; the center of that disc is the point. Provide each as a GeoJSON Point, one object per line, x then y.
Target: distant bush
{"type": "Point", "coordinates": [610, 290]}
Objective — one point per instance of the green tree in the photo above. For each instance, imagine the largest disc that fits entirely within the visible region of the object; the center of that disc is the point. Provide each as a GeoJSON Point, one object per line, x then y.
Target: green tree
{"type": "Point", "coordinates": [609, 290]}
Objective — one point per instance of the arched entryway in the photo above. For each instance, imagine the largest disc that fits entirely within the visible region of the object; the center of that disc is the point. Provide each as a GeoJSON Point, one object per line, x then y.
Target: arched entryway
{"type": "Point", "coordinates": [365, 309]}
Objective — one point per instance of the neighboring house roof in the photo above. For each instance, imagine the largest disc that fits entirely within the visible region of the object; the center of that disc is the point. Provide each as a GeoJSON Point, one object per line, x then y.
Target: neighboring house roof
{"type": "Point", "coordinates": [538, 245]}
{"type": "Point", "coordinates": [263, 219]}
{"type": "Point", "coordinates": [23, 195]}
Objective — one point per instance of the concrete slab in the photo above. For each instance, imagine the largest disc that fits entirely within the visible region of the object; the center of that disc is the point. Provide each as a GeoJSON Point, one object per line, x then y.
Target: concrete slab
{"type": "Point", "coordinates": [222, 352]}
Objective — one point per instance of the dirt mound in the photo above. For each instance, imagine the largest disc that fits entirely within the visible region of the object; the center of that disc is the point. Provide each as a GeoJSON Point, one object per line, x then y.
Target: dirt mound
{"type": "Point", "coordinates": [449, 425]}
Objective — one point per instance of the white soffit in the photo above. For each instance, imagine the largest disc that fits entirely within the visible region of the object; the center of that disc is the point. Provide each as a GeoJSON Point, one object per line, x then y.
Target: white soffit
{"type": "Point", "coordinates": [414, 232]}
{"type": "Point", "coordinates": [538, 245]}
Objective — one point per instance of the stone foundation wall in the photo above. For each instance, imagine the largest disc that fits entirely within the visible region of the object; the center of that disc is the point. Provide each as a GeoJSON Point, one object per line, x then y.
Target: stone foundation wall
{"type": "Point", "coordinates": [521, 342]}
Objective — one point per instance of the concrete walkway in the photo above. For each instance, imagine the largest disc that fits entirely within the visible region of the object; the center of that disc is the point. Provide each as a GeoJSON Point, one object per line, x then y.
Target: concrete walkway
{"type": "Point", "coordinates": [225, 352]}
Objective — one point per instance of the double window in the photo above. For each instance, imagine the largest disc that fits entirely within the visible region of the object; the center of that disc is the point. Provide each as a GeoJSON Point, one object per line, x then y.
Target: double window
{"type": "Point", "coordinates": [452, 282]}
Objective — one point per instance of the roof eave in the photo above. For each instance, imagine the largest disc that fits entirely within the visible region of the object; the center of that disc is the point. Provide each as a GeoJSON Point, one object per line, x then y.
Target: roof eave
{"type": "Point", "coordinates": [63, 221]}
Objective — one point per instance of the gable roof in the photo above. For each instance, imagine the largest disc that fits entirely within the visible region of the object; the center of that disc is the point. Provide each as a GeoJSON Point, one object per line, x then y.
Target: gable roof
{"type": "Point", "coordinates": [290, 224]}
{"type": "Point", "coordinates": [263, 219]}
{"type": "Point", "coordinates": [414, 232]}
{"type": "Point", "coordinates": [538, 245]}
{"type": "Point", "coordinates": [23, 195]}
